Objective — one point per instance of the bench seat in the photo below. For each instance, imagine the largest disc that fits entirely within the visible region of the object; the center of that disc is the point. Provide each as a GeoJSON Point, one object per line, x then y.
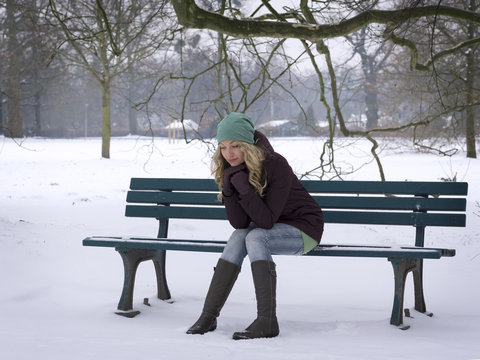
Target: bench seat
{"type": "Point", "coordinates": [380, 251]}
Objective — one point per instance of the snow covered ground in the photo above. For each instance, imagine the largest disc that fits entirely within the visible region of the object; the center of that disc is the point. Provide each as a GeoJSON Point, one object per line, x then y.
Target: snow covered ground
{"type": "Point", "coordinates": [58, 298]}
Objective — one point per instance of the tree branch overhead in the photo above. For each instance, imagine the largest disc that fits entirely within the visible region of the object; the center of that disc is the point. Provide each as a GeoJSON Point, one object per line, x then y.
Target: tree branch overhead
{"type": "Point", "coordinates": [192, 16]}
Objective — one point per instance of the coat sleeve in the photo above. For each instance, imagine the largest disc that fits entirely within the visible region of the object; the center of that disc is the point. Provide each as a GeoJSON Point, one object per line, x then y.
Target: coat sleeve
{"type": "Point", "coordinates": [266, 211]}
{"type": "Point", "coordinates": [236, 215]}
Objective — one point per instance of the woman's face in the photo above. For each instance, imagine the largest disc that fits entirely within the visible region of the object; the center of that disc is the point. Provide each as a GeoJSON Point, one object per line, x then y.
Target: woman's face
{"type": "Point", "coordinates": [232, 152]}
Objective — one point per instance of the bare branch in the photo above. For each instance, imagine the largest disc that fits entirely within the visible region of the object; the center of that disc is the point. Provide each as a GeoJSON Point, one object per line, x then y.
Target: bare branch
{"type": "Point", "coordinates": [414, 64]}
{"type": "Point", "coordinates": [192, 16]}
{"type": "Point", "coordinates": [113, 43]}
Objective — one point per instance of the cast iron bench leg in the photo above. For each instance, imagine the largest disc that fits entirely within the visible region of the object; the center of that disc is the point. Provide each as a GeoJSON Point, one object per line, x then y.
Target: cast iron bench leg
{"type": "Point", "coordinates": [163, 292]}
{"type": "Point", "coordinates": [418, 286]}
{"type": "Point", "coordinates": [131, 259]}
{"type": "Point", "coordinates": [401, 267]}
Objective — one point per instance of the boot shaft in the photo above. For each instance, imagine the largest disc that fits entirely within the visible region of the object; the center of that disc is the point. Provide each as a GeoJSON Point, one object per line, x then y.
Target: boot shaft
{"type": "Point", "coordinates": [224, 277]}
{"type": "Point", "coordinates": [265, 282]}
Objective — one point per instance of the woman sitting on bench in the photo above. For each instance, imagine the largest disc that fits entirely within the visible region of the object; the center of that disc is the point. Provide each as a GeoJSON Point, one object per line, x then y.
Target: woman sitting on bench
{"type": "Point", "coordinates": [272, 214]}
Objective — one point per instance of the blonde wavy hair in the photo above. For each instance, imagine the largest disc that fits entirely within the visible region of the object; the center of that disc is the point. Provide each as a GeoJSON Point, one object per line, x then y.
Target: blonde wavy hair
{"type": "Point", "coordinates": [253, 156]}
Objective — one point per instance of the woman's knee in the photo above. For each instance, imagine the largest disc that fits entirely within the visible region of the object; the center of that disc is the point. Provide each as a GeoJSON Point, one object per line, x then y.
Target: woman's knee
{"type": "Point", "coordinates": [237, 238]}
{"type": "Point", "coordinates": [235, 249]}
{"type": "Point", "coordinates": [256, 243]}
{"type": "Point", "coordinates": [256, 238]}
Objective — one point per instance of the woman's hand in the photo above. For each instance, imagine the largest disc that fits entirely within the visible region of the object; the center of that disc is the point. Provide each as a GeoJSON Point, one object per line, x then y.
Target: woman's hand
{"type": "Point", "coordinates": [227, 187]}
{"type": "Point", "coordinates": [240, 181]}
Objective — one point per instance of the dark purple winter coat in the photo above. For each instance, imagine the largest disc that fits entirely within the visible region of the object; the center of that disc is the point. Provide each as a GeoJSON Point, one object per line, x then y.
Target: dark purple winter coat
{"type": "Point", "coordinates": [284, 199]}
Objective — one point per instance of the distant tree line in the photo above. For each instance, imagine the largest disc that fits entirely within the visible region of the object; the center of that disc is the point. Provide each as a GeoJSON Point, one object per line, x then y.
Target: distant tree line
{"type": "Point", "coordinates": [420, 56]}
{"type": "Point", "coordinates": [73, 68]}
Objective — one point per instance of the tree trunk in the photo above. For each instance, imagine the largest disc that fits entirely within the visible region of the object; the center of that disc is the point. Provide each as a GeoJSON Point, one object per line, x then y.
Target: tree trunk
{"type": "Point", "coordinates": [13, 92]}
{"type": "Point", "coordinates": [132, 113]}
{"type": "Point", "coordinates": [369, 69]}
{"type": "Point", "coordinates": [37, 119]}
{"type": "Point", "coordinates": [106, 125]}
{"type": "Point", "coordinates": [470, 111]}
{"type": "Point", "coordinates": [371, 101]}
{"type": "Point", "coordinates": [37, 125]}
{"type": "Point", "coordinates": [14, 119]}
{"type": "Point", "coordinates": [132, 120]}
{"type": "Point", "coordinates": [2, 125]}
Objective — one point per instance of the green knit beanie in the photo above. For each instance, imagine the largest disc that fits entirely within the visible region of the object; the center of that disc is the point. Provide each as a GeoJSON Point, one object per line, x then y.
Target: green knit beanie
{"type": "Point", "coordinates": [236, 126]}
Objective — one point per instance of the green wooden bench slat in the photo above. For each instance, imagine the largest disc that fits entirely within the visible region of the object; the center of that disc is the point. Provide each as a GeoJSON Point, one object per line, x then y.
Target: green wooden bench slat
{"type": "Point", "coordinates": [326, 202]}
{"type": "Point", "coordinates": [173, 184]}
{"type": "Point", "coordinates": [380, 251]}
{"type": "Point", "coordinates": [391, 203]}
{"type": "Point", "coordinates": [165, 197]}
{"type": "Point", "coordinates": [338, 217]}
{"type": "Point", "coordinates": [313, 186]}
{"type": "Point", "coordinates": [394, 218]}
{"type": "Point", "coordinates": [176, 212]}
{"type": "Point", "coordinates": [374, 251]}
{"type": "Point", "coordinates": [389, 187]}
{"type": "Point", "coordinates": [156, 244]}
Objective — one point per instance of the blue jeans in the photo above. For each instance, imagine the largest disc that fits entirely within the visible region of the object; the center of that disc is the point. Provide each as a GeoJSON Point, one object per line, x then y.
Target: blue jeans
{"type": "Point", "coordinates": [261, 244]}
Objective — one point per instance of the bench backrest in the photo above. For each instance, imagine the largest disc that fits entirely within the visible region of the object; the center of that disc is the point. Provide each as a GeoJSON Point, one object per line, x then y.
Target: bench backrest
{"type": "Point", "coordinates": [417, 204]}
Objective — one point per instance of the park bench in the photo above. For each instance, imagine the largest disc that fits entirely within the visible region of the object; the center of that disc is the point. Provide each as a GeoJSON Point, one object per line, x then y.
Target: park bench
{"type": "Point", "coordinates": [415, 204]}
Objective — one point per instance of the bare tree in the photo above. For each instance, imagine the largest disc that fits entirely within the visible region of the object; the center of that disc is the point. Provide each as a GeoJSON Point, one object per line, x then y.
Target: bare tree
{"type": "Point", "coordinates": [26, 51]}
{"type": "Point", "coordinates": [320, 21]}
{"type": "Point", "coordinates": [450, 52]}
{"type": "Point", "coordinates": [217, 74]}
{"type": "Point", "coordinates": [14, 126]}
{"type": "Point", "coordinates": [107, 37]}
{"type": "Point", "coordinates": [372, 66]}
{"type": "Point", "coordinates": [472, 73]}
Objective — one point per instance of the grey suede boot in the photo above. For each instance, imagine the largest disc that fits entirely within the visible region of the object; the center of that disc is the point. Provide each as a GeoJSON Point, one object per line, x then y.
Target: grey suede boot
{"type": "Point", "coordinates": [265, 281]}
{"type": "Point", "coordinates": [223, 279]}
